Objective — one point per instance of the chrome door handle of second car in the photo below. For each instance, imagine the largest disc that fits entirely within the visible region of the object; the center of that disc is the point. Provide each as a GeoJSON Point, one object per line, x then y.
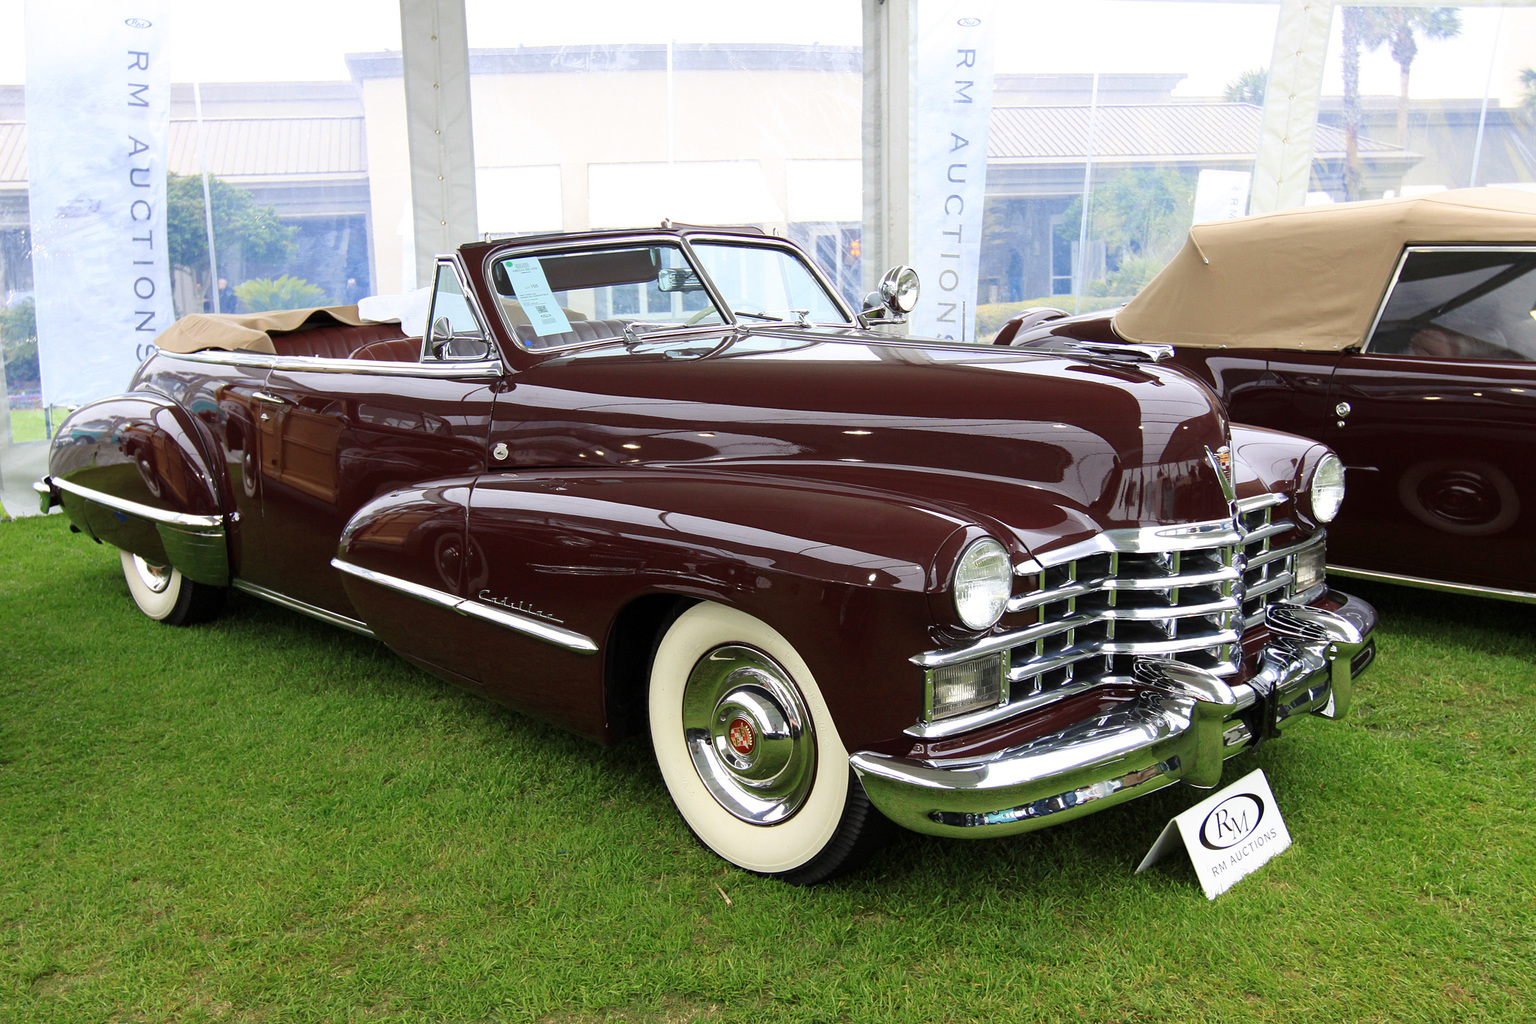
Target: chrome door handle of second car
{"type": "Point", "coordinates": [1342, 410]}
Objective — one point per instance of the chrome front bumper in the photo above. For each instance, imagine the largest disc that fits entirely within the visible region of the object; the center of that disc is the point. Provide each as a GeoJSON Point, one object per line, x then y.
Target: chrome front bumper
{"type": "Point", "coordinates": [1182, 726]}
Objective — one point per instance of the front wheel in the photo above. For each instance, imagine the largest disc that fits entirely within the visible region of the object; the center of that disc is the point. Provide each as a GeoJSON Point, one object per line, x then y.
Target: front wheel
{"type": "Point", "coordinates": [164, 594]}
{"type": "Point", "coordinates": [749, 752]}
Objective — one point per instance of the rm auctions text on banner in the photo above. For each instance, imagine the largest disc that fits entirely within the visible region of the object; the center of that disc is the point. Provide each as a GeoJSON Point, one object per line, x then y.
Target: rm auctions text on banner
{"type": "Point", "coordinates": [98, 124]}
{"type": "Point", "coordinates": [951, 114]}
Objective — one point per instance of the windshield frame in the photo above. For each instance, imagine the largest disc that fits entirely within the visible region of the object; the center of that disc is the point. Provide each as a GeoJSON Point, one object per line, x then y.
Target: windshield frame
{"type": "Point", "coordinates": [558, 246]}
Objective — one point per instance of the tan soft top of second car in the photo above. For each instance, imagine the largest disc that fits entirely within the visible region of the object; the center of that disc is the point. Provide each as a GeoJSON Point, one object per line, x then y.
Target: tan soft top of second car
{"type": "Point", "coordinates": [1310, 278]}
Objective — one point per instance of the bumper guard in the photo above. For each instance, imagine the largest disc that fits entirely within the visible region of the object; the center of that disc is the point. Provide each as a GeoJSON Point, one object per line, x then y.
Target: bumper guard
{"type": "Point", "coordinates": [1182, 726]}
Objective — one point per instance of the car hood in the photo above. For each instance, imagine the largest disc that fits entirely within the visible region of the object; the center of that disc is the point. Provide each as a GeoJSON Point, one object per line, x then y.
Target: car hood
{"type": "Point", "coordinates": [1116, 444]}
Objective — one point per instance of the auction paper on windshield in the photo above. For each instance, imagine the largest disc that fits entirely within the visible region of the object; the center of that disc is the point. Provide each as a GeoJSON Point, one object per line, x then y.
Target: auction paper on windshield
{"type": "Point", "coordinates": [951, 113]}
{"type": "Point", "coordinates": [98, 123]}
{"type": "Point", "coordinates": [532, 290]}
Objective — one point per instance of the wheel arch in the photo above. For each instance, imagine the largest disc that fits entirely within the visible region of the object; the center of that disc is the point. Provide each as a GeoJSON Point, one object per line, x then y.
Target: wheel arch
{"type": "Point", "coordinates": [135, 471]}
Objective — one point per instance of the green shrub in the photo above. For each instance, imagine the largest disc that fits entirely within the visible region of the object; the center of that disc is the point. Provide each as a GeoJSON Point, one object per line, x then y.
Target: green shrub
{"type": "Point", "coordinates": [264, 293]}
{"type": "Point", "coordinates": [18, 342]}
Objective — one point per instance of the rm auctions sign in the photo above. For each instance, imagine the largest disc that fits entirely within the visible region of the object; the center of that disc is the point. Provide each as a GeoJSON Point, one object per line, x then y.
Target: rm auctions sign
{"type": "Point", "coordinates": [1228, 835]}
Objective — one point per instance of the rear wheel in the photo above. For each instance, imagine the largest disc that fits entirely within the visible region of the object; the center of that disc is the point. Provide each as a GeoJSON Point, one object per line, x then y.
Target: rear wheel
{"type": "Point", "coordinates": [164, 594]}
{"type": "Point", "coordinates": [749, 752]}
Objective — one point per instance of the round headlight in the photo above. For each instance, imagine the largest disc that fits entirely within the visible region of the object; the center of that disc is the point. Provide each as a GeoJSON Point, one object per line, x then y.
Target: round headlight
{"type": "Point", "coordinates": [983, 581]}
{"type": "Point", "coordinates": [1326, 493]}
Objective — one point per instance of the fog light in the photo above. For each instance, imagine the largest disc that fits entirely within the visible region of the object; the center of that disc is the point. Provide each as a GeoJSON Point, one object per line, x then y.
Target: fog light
{"type": "Point", "coordinates": [1310, 568]}
{"type": "Point", "coordinates": [967, 686]}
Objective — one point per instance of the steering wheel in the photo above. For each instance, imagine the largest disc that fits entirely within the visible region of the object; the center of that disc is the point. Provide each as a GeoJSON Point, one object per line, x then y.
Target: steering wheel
{"type": "Point", "coordinates": [700, 315]}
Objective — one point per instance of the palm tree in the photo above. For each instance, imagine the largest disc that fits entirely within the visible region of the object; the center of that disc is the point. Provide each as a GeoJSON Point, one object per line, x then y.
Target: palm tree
{"type": "Point", "coordinates": [1248, 87]}
{"type": "Point", "coordinates": [1356, 24]}
{"type": "Point", "coordinates": [1400, 28]}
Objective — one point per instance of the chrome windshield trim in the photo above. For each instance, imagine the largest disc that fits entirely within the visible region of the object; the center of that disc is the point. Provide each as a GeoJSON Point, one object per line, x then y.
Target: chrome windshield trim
{"type": "Point", "coordinates": [293, 604]}
{"type": "Point", "coordinates": [566, 638]}
{"type": "Point", "coordinates": [134, 508]}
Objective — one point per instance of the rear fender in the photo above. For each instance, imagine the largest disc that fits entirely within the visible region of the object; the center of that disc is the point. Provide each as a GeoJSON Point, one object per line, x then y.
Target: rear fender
{"type": "Point", "coordinates": [133, 471]}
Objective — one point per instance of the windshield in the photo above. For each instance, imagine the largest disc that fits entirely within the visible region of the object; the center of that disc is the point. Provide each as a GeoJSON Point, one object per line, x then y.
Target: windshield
{"type": "Point", "coordinates": [766, 284]}
{"type": "Point", "coordinates": [564, 299]}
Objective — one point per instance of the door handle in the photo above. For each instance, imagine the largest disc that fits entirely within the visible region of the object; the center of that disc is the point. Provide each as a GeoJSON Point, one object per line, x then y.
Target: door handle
{"type": "Point", "coordinates": [1342, 411]}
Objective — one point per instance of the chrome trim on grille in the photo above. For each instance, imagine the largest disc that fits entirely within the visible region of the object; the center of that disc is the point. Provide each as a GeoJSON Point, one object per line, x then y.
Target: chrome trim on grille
{"type": "Point", "coordinates": [566, 638]}
{"type": "Point", "coordinates": [1188, 592]}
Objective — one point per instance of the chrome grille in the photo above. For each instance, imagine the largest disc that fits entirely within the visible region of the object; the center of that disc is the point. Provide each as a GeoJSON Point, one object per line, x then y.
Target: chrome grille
{"type": "Point", "coordinates": [1187, 593]}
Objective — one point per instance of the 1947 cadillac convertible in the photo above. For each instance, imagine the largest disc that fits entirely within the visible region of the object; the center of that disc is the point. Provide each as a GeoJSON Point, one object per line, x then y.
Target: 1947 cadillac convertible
{"type": "Point", "coordinates": [665, 481]}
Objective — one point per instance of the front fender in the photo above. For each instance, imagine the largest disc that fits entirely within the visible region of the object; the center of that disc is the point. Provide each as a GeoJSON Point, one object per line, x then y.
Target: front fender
{"type": "Point", "coordinates": [133, 471]}
{"type": "Point", "coordinates": [846, 576]}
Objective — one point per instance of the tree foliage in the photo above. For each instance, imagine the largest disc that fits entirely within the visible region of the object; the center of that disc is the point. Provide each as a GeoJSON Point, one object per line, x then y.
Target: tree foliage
{"type": "Point", "coordinates": [18, 343]}
{"type": "Point", "coordinates": [1248, 87]}
{"type": "Point", "coordinates": [1142, 217]}
{"type": "Point", "coordinates": [264, 293]}
{"type": "Point", "coordinates": [240, 226]}
{"type": "Point", "coordinates": [1399, 29]}
{"type": "Point", "coordinates": [1528, 101]}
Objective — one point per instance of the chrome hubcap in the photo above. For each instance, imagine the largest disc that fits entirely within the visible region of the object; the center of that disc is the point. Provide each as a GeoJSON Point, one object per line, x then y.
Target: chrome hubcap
{"type": "Point", "coordinates": [155, 577]}
{"type": "Point", "coordinates": [748, 734]}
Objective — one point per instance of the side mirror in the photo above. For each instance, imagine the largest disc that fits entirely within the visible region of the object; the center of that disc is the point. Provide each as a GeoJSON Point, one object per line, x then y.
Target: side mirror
{"type": "Point", "coordinates": [896, 297]}
{"type": "Point", "coordinates": [442, 343]}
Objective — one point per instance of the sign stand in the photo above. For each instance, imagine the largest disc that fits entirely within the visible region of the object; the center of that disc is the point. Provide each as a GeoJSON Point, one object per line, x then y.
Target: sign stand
{"type": "Point", "coordinates": [1229, 835]}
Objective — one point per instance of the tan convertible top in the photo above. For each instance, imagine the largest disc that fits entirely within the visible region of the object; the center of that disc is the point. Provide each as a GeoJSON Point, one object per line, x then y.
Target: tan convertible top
{"type": "Point", "coordinates": [248, 331]}
{"type": "Point", "coordinates": [1310, 278]}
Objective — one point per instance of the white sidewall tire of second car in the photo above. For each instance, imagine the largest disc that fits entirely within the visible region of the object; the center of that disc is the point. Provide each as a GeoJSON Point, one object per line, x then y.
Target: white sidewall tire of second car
{"type": "Point", "coordinates": [767, 849]}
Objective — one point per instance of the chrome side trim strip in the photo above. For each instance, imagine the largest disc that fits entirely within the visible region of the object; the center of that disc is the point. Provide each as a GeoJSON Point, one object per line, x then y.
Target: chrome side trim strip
{"type": "Point", "coordinates": [566, 638]}
{"type": "Point", "coordinates": [1522, 596]}
{"type": "Point", "coordinates": [294, 604]}
{"type": "Point", "coordinates": [476, 369]}
{"type": "Point", "coordinates": [134, 508]}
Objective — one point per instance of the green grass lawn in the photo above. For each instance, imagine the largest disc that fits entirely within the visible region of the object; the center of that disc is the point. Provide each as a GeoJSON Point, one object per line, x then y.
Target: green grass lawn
{"type": "Point", "coordinates": [267, 819]}
{"type": "Point", "coordinates": [29, 424]}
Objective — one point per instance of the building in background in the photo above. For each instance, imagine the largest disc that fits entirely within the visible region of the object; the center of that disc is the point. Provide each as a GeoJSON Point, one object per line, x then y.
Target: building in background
{"type": "Point", "coordinates": [577, 137]}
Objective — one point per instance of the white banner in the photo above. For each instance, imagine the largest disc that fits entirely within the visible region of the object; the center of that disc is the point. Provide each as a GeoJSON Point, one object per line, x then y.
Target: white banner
{"type": "Point", "coordinates": [98, 122]}
{"type": "Point", "coordinates": [951, 113]}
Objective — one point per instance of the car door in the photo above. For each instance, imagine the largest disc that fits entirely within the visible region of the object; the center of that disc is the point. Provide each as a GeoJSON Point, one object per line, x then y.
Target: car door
{"type": "Point", "coordinates": [335, 433]}
{"type": "Point", "coordinates": [1436, 420]}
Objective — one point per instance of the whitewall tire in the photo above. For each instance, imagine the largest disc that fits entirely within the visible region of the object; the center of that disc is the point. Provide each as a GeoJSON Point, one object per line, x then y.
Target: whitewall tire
{"type": "Point", "coordinates": [749, 752]}
{"type": "Point", "coordinates": [165, 595]}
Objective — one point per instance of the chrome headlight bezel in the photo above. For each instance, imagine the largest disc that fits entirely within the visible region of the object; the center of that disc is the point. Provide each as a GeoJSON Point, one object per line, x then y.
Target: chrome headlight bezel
{"type": "Point", "coordinates": [1321, 491]}
{"type": "Point", "coordinates": [982, 583]}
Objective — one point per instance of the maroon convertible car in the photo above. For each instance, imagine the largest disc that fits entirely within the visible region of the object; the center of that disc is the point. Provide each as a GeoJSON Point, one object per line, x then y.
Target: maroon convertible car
{"type": "Point", "coordinates": [666, 482]}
